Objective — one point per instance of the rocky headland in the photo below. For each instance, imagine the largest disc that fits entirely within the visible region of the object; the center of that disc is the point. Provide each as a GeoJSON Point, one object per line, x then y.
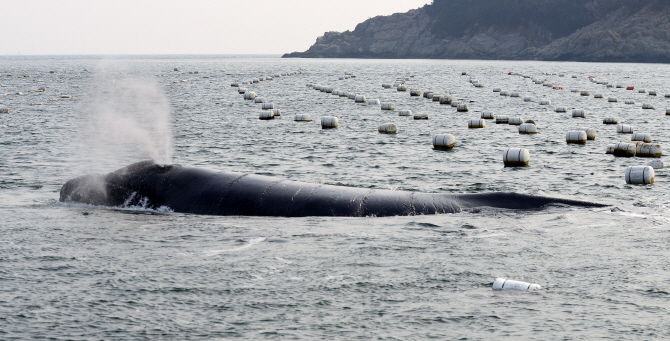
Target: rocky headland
{"type": "Point", "coordinates": [561, 30]}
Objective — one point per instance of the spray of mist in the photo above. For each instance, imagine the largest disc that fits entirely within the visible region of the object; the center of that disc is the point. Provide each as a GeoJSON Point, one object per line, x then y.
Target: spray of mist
{"type": "Point", "coordinates": [125, 117]}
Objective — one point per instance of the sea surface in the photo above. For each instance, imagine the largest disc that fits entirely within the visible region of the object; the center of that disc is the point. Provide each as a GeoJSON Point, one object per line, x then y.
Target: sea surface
{"type": "Point", "coordinates": [78, 272]}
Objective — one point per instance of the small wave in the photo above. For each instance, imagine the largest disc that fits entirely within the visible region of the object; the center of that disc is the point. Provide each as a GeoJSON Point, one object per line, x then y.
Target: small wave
{"type": "Point", "coordinates": [252, 242]}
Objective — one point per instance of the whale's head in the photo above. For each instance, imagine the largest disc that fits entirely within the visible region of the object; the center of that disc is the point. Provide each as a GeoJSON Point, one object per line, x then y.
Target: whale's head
{"type": "Point", "coordinates": [132, 185]}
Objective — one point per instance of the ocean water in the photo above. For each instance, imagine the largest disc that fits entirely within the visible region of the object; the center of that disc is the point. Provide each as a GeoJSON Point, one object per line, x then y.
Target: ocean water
{"type": "Point", "coordinates": [77, 272]}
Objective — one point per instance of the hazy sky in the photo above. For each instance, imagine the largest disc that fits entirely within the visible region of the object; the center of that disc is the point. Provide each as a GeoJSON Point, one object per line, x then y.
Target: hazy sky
{"type": "Point", "coordinates": [179, 27]}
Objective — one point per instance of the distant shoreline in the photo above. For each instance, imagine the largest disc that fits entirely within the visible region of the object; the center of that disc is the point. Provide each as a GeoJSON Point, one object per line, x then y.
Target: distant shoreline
{"type": "Point", "coordinates": [129, 56]}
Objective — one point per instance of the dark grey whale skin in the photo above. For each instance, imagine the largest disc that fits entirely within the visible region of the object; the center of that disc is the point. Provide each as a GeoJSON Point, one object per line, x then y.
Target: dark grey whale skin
{"type": "Point", "coordinates": [200, 191]}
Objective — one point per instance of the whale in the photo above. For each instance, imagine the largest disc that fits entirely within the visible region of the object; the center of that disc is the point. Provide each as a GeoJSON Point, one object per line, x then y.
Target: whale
{"type": "Point", "coordinates": [193, 190]}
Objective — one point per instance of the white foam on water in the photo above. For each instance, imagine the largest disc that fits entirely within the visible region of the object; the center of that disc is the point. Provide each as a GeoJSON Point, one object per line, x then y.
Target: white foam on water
{"type": "Point", "coordinates": [252, 242]}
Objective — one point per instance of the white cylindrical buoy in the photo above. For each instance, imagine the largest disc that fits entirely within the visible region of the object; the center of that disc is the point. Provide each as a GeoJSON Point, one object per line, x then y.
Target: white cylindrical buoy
{"type": "Point", "coordinates": [255, 80]}
{"type": "Point", "coordinates": [640, 175]}
{"type": "Point", "coordinates": [360, 99]}
{"type": "Point", "coordinates": [545, 102]}
{"type": "Point", "coordinates": [436, 98]}
{"type": "Point", "coordinates": [401, 88]}
{"type": "Point", "coordinates": [502, 119]}
{"type": "Point", "coordinates": [477, 123]}
{"type": "Point", "coordinates": [584, 93]}
{"type": "Point", "coordinates": [624, 129]}
{"type": "Point", "coordinates": [610, 149]}
{"type": "Point", "coordinates": [302, 118]}
{"type": "Point", "coordinates": [575, 137]}
{"type": "Point", "coordinates": [352, 96]}
{"type": "Point", "coordinates": [454, 104]}
{"type": "Point", "coordinates": [515, 121]}
{"type": "Point", "coordinates": [496, 89]}
{"type": "Point", "coordinates": [640, 137]}
{"type": "Point", "coordinates": [4, 110]}
{"type": "Point", "coordinates": [629, 101]}
{"type": "Point", "coordinates": [267, 105]}
{"type": "Point", "coordinates": [373, 102]}
{"type": "Point", "coordinates": [266, 115]}
{"type": "Point", "coordinates": [388, 128]}
{"type": "Point", "coordinates": [508, 284]}
{"type": "Point", "coordinates": [425, 94]}
{"type": "Point", "coordinates": [514, 94]}
{"type": "Point", "coordinates": [386, 86]}
{"type": "Point", "coordinates": [611, 120]}
{"type": "Point", "coordinates": [488, 115]}
{"type": "Point", "coordinates": [259, 100]}
{"type": "Point", "coordinates": [528, 99]}
{"type": "Point", "coordinates": [504, 93]}
{"type": "Point", "coordinates": [647, 106]}
{"type": "Point", "coordinates": [344, 94]}
{"type": "Point", "coordinates": [648, 149]}
{"type": "Point", "coordinates": [574, 90]}
{"type": "Point", "coordinates": [429, 95]}
{"type": "Point", "coordinates": [528, 128]}
{"type": "Point", "coordinates": [561, 109]}
{"type": "Point", "coordinates": [415, 92]}
{"type": "Point", "coordinates": [642, 91]}
{"type": "Point", "coordinates": [598, 95]}
{"type": "Point", "coordinates": [445, 100]}
{"type": "Point", "coordinates": [249, 95]}
{"type": "Point", "coordinates": [463, 107]}
{"type": "Point", "coordinates": [444, 141]}
{"type": "Point", "coordinates": [235, 85]}
{"type": "Point", "coordinates": [242, 90]}
{"type": "Point", "coordinates": [624, 149]}
{"type": "Point", "coordinates": [667, 111]}
{"type": "Point", "coordinates": [329, 122]}
{"type": "Point", "coordinates": [421, 116]}
{"type": "Point", "coordinates": [578, 113]}
{"type": "Point", "coordinates": [388, 106]}
{"type": "Point", "coordinates": [590, 133]}
{"type": "Point", "coordinates": [612, 99]}
{"type": "Point", "coordinates": [276, 112]}
{"type": "Point", "coordinates": [405, 113]}
{"type": "Point", "coordinates": [516, 157]}
{"type": "Point", "coordinates": [655, 164]}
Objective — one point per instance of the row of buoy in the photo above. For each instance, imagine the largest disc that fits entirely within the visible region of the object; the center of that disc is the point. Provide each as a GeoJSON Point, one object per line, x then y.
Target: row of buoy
{"type": "Point", "coordinates": [261, 79]}
{"type": "Point", "coordinates": [390, 106]}
{"type": "Point", "coordinates": [522, 155]}
{"type": "Point", "coordinates": [635, 148]}
{"type": "Point", "coordinates": [639, 147]}
{"type": "Point", "coordinates": [583, 93]}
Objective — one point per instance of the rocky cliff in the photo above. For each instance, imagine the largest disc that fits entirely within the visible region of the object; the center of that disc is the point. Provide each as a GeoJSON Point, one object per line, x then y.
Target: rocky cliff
{"type": "Point", "coordinates": [572, 30]}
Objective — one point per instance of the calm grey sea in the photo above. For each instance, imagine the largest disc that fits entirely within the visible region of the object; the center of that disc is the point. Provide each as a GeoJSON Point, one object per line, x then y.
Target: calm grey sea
{"type": "Point", "coordinates": [76, 272]}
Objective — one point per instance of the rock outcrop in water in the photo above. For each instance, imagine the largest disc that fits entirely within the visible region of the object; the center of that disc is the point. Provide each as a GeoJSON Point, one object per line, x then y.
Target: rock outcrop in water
{"type": "Point", "coordinates": [563, 30]}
